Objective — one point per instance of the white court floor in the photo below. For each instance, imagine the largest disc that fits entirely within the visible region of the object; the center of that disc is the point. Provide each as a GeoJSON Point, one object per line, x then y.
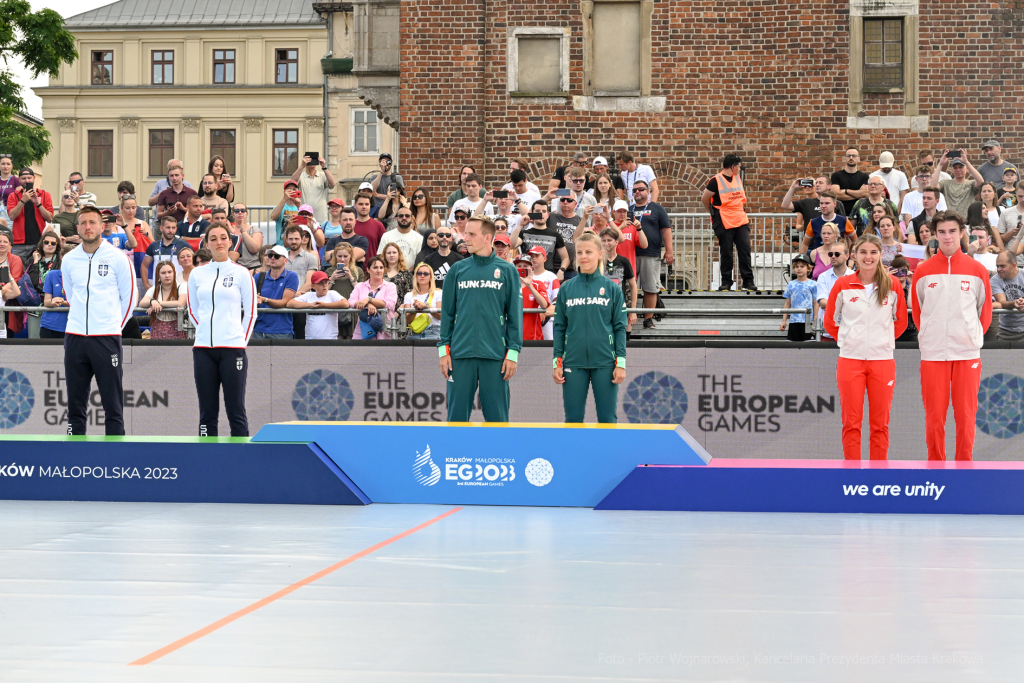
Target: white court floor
{"type": "Point", "coordinates": [502, 594]}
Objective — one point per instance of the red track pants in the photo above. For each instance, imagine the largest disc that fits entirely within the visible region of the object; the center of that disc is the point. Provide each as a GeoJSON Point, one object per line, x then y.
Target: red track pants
{"type": "Point", "coordinates": [940, 379]}
{"type": "Point", "coordinates": [878, 377]}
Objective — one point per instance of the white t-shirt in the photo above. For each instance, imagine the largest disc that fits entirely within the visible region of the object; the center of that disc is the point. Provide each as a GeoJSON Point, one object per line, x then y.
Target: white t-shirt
{"type": "Point", "coordinates": [471, 207]}
{"type": "Point", "coordinates": [895, 182]}
{"type": "Point", "coordinates": [642, 172]}
{"type": "Point", "coordinates": [912, 204]}
{"type": "Point", "coordinates": [320, 323]}
{"type": "Point", "coordinates": [410, 243]}
{"type": "Point", "coordinates": [169, 315]}
{"type": "Point", "coordinates": [551, 280]}
{"type": "Point", "coordinates": [435, 323]}
{"type": "Point", "coordinates": [529, 186]}
{"type": "Point", "coordinates": [512, 220]}
{"type": "Point", "coordinates": [528, 199]}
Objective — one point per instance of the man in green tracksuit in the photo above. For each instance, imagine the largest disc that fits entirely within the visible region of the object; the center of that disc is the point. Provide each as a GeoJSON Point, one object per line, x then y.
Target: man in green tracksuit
{"type": "Point", "coordinates": [590, 337]}
{"type": "Point", "coordinates": [481, 327]}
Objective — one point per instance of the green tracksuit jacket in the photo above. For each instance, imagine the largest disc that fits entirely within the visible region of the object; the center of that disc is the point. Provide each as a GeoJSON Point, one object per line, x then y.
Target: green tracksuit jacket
{"type": "Point", "coordinates": [482, 310]}
{"type": "Point", "coordinates": [590, 323]}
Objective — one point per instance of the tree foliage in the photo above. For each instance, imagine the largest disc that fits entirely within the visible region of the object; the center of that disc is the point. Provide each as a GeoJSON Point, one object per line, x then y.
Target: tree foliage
{"type": "Point", "coordinates": [39, 41]}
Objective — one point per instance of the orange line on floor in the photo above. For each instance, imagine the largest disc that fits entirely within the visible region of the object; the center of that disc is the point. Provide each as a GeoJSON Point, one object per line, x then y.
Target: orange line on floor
{"type": "Point", "coordinates": [178, 644]}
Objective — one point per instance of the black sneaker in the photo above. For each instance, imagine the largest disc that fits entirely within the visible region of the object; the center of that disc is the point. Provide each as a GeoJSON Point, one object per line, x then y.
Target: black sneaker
{"type": "Point", "coordinates": [648, 323]}
{"type": "Point", "coordinates": [725, 288]}
{"type": "Point", "coordinates": [750, 287]}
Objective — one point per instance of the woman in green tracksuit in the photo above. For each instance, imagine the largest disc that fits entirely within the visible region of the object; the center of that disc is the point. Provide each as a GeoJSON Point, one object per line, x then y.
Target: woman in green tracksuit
{"type": "Point", "coordinates": [590, 336]}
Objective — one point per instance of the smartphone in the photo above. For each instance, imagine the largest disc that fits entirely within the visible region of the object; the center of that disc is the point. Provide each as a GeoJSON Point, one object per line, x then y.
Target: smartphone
{"type": "Point", "coordinates": [535, 216]}
{"type": "Point", "coordinates": [223, 176]}
{"type": "Point", "coordinates": [301, 220]}
{"type": "Point", "coordinates": [27, 186]}
{"type": "Point", "coordinates": [563, 193]}
{"type": "Point", "coordinates": [523, 272]}
{"type": "Point", "coordinates": [110, 219]}
{"type": "Point", "coordinates": [933, 244]}
{"type": "Point", "coordinates": [314, 158]}
{"type": "Point", "coordinates": [953, 154]}
{"type": "Point", "coordinates": [806, 182]}
{"type": "Point", "coordinates": [974, 238]}
{"type": "Point", "coordinates": [598, 209]}
{"type": "Point", "coordinates": [901, 272]}
{"type": "Point", "coordinates": [629, 215]}
{"type": "Point", "coordinates": [500, 194]}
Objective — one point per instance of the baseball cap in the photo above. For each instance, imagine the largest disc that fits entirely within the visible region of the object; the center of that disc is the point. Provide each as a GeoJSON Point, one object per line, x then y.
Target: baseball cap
{"type": "Point", "coordinates": [365, 186]}
{"type": "Point", "coordinates": [279, 250]}
{"type": "Point", "coordinates": [537, 249]}
{"type": "Point", "coordinates": [384, 155]}
{"type": "Point", "coordinates": [803, 258]}
{"type": "Point", "coordinates": [1008, 169]}
{"type": "Point", "coordinates": [462, 211]}
{"type": "Point", "coordinates": [991, 143]}
{"type": "Point", "coordinates": [107, 212]}
{"type": "Point", "coordinates": [206, 212]}
{"type": "Point", "coordinates": [291, 182]}
{"type": "Point", "coordinates": [318, 277]}
{"type": "Point", "coordinates": [502, 239]}
{"type": "Point", "coordinates": [336, 202]}
{"type": "Point", "coordinates": [619, 205]}
{"type": "Point", "coordinates": [600, 161]}
{"type": "Point", "coordinates": [306, 208]}
{"type": "Point", "coordinates": [522, 258]}
{"type": "Point", "coordinates": [958, 162]}
{"type": "Point", "coordinates": [886, 160]}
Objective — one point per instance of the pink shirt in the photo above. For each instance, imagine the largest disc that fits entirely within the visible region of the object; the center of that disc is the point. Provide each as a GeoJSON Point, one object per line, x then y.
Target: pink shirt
{"type": "Point", "coordinates": [386, 291]}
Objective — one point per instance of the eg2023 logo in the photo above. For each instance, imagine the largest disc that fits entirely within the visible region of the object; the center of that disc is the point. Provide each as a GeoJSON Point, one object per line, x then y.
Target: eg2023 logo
{"type": "Point", "coordinates": [478, 471]}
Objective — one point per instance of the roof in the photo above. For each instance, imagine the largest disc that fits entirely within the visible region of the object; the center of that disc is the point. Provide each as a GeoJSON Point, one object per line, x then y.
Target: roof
{"type": "Point", "coordinates": [196, 13]}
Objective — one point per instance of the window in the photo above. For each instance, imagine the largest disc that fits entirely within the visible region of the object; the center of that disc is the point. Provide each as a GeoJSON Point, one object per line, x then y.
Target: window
{"type": "Point", "coordinates": [286, 151]}
{"type": "Point", "coordinates": [617, 72]}
{"type": "Point", "coordinates": [222, 143]}
{"type": "Point", "coordinates": [538, 61]}
{"type": "Point", "coordinates": [101, 153]}
{"type": "Point", "coordinates": [102, 67]}
{"type": "Point", "coordinates": [883, 54]}
{"type": "Point", "coordinates": [365, 131]}
{"type": "Point", "coordinates": [161, 150]}
{"type": "Point", "coordinates": [223, 66]}
{"type": "Point", "coordinates": [163, 67]}
{"type": "Point", "coordinates": [287, 66]}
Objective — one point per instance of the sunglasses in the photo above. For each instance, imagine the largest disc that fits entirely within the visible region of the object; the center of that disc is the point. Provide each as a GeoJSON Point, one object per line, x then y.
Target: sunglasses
{"type": "Point", "coordinates": [75, 182]}
{"type": "Point", "coordinates": [639, 189]}
{"type": "Point", "coordinates": [422, 274]}
{"type": "Point", "coordinates": [577, 180]}
{"type": "Point", "coordinates": [927, 163]}
{"type": "Point", "coordinates": [404, 215]}
{"type": "Point", "coordinates": [240, 210]}
{"type": "Point", "coordinates": [274, 256]}
{"type": "Point", "coordinates": [446, 235]}
{"type": "Point", "coordinates": [50, 244]}
{"type": "Point", "coordinates": [834, 254]}
{"type": "Point", "coordinates": [6, 156]}
{"type": "Point", "coordinates": [418, 196]}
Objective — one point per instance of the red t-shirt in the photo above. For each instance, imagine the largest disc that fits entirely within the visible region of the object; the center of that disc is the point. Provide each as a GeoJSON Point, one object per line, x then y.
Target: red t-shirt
{"type": "Point", "coordinates": [533, 323]}
{"type": "Point", "coordinates": [627, 247]}
{"type": "Point", "coordinates": [372, 229]}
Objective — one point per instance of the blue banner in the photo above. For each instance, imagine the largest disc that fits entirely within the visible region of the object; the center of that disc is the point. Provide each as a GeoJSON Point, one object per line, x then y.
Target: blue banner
{"type": "Point", "coordinates": [168, 471]}
{"type": "Point", "coordinates": [485, 464]}
{"type": "Point", "coordinates": [951, 488]}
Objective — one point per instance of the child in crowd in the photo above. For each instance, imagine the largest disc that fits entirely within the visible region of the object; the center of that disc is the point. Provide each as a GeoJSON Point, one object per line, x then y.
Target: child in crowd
{"type": "Point", "coordinates": [118, 239]}
{"type": "Point", "coordinates": [800, 293]}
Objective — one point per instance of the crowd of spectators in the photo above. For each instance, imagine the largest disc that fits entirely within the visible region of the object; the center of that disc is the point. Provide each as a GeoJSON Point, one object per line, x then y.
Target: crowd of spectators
{"type": "Point", "coordinates": [360, 270]}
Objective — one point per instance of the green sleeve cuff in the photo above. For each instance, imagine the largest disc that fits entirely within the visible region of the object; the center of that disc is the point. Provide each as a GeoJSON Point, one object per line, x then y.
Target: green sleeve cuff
{"type": "Point", "coordinates": [512, 356]}
{"type": "Point", "coordinates": [620, 362]}
{"type": "Point", "coordinates": [442, 351]}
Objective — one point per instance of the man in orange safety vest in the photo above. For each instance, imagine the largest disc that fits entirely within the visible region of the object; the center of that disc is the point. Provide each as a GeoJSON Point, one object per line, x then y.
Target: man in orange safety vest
{"type": "Point", "coordinates": [724, 199]}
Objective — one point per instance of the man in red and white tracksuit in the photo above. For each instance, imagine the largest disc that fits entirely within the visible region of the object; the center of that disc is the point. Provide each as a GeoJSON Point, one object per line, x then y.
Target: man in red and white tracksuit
{"type": "Point", "coordinates": [952, 304]}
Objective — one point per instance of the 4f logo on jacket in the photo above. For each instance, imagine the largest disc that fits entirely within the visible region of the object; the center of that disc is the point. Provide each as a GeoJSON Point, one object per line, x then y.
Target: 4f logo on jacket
{"type": "Point", "coordinates": [854, 299]}
{"type": "Point", "coordinates": [965, 286]}
{"type": "Point", "coordinates": [933, 285]}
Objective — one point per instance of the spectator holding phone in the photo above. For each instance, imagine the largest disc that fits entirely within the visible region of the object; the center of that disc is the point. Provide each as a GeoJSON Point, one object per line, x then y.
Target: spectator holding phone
{"type": "Point", "coordinates": [631, 236]}
{"type": "Point", "coordinates": [29, 208]}
{"type": "Point", "coordinates": [539, 233]}
{"type": "Point", "coordinates": [590, 337]}
{"type": "Point", "coordinates": [121, 240]}
{"type": "Point", "coordinates": [387, 183]}
{"type": "Point", "coordinates": [424, 294]}
{"type": "Point", "coordinates": [900, 269]}
{"type": "Point", "coordinates": [958, 191]}
{"type": "Point", "coordinates": [808, 206]}
{"type": "Point", "coordinates": [343, 275]}
{"type": "Point", "coordinates": [286, 208]}
{"type": "Point", "coordinates": [506, 203]}
{"type": "Point", "coordinates": [315, 183]}
{"type": "Point", "coordinates": [211, 200]}
{"type": "Point", "coordinates": [535, 295]}
{"type": "Point", "coordinates": [225, 187]}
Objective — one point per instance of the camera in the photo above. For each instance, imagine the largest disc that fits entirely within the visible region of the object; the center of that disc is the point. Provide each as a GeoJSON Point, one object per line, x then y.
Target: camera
{"type": "Point", "coordinates": [806, 182]}
{"type": "Point", "coordinates": [523, 272]}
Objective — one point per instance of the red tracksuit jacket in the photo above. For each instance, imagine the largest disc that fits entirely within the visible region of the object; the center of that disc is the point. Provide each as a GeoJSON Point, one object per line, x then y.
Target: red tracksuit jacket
{"type": "Point", "coordinates": [865, 328]}
{"type": "Point", "coordinates": [952, 305]}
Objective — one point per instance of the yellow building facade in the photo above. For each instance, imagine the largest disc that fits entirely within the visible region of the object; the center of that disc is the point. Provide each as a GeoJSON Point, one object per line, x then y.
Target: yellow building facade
{"type": "Point", "coordinates": [151, 85]}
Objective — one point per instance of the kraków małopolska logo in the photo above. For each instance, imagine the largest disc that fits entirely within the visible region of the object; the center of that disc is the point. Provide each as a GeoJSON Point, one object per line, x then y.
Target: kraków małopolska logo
{"type": "Point", "coordinates": [424, 471]}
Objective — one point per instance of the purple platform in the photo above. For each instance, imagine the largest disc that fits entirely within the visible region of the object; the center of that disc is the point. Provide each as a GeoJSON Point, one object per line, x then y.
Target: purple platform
{"type": "Point", "coordinates": [893, 486]}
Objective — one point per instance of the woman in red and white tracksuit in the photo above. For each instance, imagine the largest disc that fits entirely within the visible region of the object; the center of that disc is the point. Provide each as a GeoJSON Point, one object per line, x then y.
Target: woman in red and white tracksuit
{"type": "Point", "coordinates": [866, 312]}
{"type": "Point", "coordinates": [952, 301]}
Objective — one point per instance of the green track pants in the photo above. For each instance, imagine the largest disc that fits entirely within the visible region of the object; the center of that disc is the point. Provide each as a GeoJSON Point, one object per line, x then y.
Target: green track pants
{"type": "Point", "coordinates": [574, 393]}
{"type": "Point", "coordinates": [466, 375]}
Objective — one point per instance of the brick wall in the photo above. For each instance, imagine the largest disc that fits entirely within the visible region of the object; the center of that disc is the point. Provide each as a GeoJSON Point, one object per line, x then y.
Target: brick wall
{"type": "Point", "coordinates": [763, 78]}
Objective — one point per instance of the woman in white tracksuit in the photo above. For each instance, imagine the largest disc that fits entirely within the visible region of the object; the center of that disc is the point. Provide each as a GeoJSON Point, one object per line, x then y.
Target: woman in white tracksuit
{"type": "Point", "coordinates": [222, 304]}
